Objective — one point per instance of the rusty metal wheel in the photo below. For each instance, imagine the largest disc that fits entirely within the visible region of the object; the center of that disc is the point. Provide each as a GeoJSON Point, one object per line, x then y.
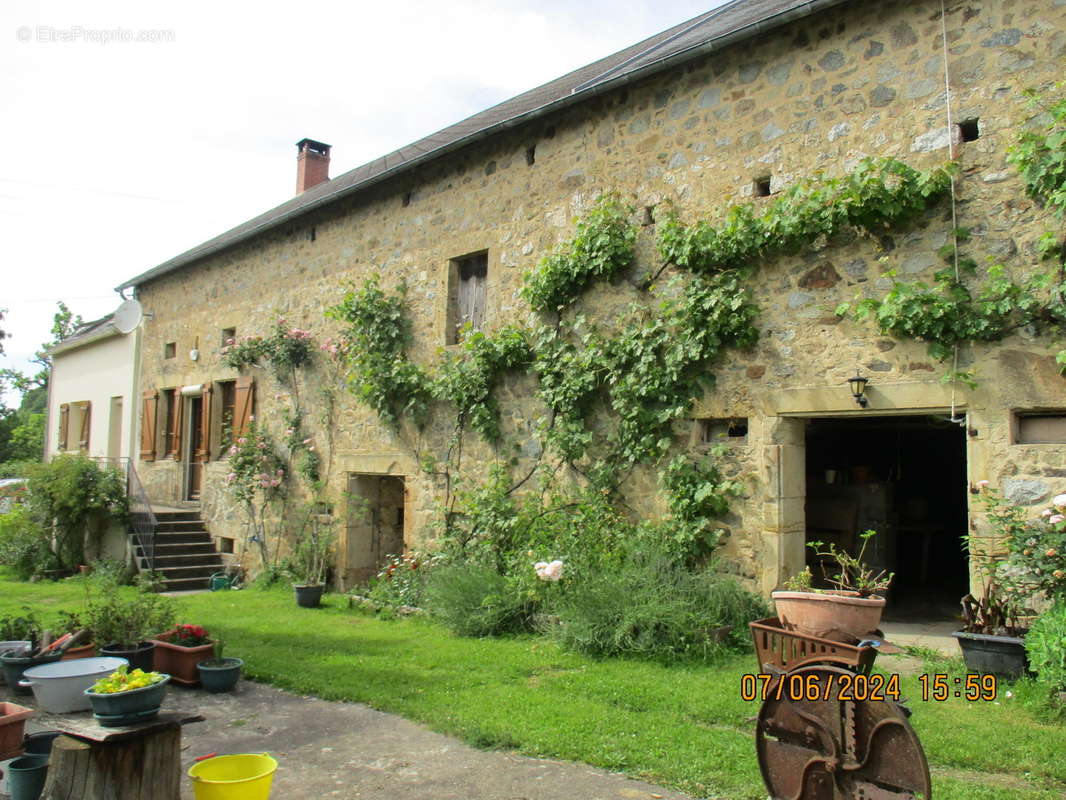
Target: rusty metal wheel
{"type": "Point", "coordinates": [832, 749]}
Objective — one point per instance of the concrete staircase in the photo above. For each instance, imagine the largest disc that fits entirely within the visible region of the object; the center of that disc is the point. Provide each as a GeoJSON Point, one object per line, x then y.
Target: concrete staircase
{"type": "Point", "coordinates": [185, 554]}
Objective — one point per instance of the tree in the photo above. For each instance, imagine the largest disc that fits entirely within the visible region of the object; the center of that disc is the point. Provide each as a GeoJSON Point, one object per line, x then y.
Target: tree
{"type": "Point", "coordinates": [22, 430]}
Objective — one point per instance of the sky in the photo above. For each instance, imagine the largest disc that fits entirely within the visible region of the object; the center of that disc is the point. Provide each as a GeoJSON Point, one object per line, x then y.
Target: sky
{"type": "Point", "coordinates": [134, 131]}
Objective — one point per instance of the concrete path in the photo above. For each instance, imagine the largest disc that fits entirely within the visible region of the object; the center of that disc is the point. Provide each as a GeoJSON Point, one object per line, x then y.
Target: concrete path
{"type": "Point", "coordinates": [346, 750]}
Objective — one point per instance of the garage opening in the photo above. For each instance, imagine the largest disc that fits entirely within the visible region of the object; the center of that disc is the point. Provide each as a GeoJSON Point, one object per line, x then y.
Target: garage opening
{"type": "Point", "coordinates": [904, 477]}
{"type": "Point", "coordinates": [376, 511]}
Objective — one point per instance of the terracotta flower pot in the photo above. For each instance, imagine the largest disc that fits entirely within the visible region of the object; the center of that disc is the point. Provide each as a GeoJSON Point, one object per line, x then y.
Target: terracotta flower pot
{"type": "Point", "coordinates": [82, 651]}
{"type": "Point", "coordinates": [12, 720]}
{"type": "Point", "coordinates": [839, 616]}
{"type": "Point", "coordinates": [180, 662]}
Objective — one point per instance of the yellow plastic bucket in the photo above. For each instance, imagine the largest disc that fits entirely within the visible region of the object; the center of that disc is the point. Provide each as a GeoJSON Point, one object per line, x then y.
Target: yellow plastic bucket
{"type": "Point", "coordinates": [239, 777]}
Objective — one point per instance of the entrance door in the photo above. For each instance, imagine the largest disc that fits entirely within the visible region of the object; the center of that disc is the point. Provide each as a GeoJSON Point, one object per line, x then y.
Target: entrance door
{"type": "Point", "coordinates": [904, 477]}
{"type": "Point", "coordinates": [375, 523]}
{"type": "Point", "coordinates": [194, 446]}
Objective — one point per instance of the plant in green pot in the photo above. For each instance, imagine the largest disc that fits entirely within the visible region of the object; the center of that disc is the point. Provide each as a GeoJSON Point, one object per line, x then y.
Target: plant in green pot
{"type": "Point", "coordinates": [311, 559]}
{"type": "Point", "coordinates": [123, 622]}
{"type": "Point", "coordinates": [127, 696]}
{"type": "Point", "coordinates": [219, 674]}
{"type": "Point", "coordinates": [849, 611]}
{"type": "Point", "coordinates": [22, 649]}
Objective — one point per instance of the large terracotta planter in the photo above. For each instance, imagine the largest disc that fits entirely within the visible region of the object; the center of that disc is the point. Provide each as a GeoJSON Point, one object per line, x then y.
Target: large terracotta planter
{"type": "Point", "coordinates": [838, 616]}
{"type": "Point", "coordinates": [81, 651]}
{"type": "Point", "coordinates": [180, 662]}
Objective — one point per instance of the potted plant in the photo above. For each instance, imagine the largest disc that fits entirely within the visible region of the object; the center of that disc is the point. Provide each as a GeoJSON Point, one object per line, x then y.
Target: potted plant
{"type": "Point", "coordinates": [122, 624]}
{"type": "Point", "coordinates": [127, 696]}
{"type": "Point", "coordinates": [846, 613]}
{"type": "Point", "coordinates": [311, 559]}
{"type": "Point", "coordinates": [24, 635]}
{"type": "Point", "coordinates": [219, 674]}
{"type": "Point", "coordinates": [82, 644]}
{"type": "Point", "coordinates": [178, 651]}
{"type": "Point", "coordinates": [12, 720]}
{"type": "Point", "coordinates": [1022, 561]}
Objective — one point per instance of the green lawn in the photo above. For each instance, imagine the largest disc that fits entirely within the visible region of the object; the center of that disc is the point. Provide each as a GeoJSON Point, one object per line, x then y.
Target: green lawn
{"type": "Point", "coordinates": [684, 727]}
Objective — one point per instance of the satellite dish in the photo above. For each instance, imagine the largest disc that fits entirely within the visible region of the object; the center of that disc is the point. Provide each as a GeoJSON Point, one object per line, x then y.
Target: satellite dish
{"type": "Point", "coordinates": [127, 316]}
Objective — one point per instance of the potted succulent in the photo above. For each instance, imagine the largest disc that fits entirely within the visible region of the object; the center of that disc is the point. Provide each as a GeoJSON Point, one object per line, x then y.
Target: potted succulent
{"type": "Point", "coordinates": [846, 613]}
{"type": "Point", "coordinates": [122, 624]}
{"type": "Point", "coordinates": [219, 674]}
{"type": "Point", "coordinates": [178, 651]}
{"type": "Point", "coordinates": [127, 696]}
{"type": "Point", "coordinates": [311, 559]}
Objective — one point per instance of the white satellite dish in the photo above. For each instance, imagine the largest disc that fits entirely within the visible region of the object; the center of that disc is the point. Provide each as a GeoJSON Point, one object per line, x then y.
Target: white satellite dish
{"type": "Point", "coordinates": [127, 316]}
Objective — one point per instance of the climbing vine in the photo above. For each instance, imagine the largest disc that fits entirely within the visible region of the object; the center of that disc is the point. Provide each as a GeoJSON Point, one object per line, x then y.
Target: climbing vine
{"type": "Point", "coordinates": [953, 310]}
{"type": "Point", "coordinates": [879, 194]}
{"type": "Point", "coordinates": [600, 249]}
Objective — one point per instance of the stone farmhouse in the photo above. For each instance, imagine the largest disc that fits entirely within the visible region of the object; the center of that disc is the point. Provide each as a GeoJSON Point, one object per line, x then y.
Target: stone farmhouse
{"type": "Point", "coordinates": [731, 107]}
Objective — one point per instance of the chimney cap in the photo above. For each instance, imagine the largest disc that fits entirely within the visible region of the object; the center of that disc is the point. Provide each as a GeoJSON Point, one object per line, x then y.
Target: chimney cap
{"type": "Point", "coordinates": [305, 145]}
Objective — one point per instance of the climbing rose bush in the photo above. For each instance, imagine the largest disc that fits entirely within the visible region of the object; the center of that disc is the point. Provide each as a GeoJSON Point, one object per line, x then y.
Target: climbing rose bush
{"type": "Point", "coordinates": [549, 571]}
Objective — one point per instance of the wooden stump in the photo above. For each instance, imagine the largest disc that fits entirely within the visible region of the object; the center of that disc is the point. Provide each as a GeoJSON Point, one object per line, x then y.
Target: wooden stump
{"type": "Point", "coordinates": [146, 767]}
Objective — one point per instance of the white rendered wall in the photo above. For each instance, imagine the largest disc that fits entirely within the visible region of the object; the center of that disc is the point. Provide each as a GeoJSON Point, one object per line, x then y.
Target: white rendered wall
{"type": "Point", "coordinates": [97, 371]}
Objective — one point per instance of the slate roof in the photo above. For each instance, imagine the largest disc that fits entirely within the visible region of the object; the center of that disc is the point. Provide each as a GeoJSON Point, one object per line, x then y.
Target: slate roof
{"type": "Point", "coordinates": [735, 20]}
{"type": "Point", "coordinates": [87, 332]}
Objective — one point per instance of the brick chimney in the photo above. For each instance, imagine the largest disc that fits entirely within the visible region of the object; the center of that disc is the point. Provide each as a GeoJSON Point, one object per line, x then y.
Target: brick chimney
{"type": "Point", "coordinates": [312, 164]}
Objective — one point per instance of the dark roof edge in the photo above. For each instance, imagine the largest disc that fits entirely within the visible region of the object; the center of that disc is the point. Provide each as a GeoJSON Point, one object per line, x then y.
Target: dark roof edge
{"type": "Point", "coordinates": [705, 47]}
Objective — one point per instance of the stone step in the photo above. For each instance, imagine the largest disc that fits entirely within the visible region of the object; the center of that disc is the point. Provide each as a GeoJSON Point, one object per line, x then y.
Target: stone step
{"type": "Point", "coordinates": [180, 526]}
{"type": "Point", "coordinates": [186, 584]}
{"type": "Point", "coordinates": [192, 537]}
{"type": "Point", "coordinates": [181, 549]}
{"type": "Point", "coordinates": [176, 516]}
{"type": "Point", "coordinates": [177, 573]}
{"type": "Point", "coordinates": [210, 560]}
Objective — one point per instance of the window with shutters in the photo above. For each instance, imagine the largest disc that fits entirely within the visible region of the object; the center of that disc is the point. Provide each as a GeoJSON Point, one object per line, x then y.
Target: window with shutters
{"type": "Point", "coordinates": [222, 425]}
{"type": "Point", "coordinates": [467, 281]}
{"type": "Point", "coordinates": [243, 404]}
{"type": "Point", "coordinates": [171, 421]}
{"type": "Point", "coordinates": [149, 403]}
{"type": "Point", "coordinates": [64, 425]}
{"type": "Point", "coordinates": [75, 426]}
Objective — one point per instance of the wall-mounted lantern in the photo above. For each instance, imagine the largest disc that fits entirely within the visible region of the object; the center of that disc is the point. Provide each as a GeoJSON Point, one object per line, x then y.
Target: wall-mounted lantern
{"type": "Point", "coordinates": [858, 388]}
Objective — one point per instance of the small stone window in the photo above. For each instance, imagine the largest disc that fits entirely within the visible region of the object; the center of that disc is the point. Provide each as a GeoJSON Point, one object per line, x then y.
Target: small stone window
{"type": "Point", "coordinates": [406, 199]}
{"type": "Point", "coordinates": [760, 187]}
{"type": "Point", "coordinates": [531, 155]}
{"type": "Point", "coordinates": [467, 282]}
{"type": "Point", "coordinates": [225, 544]}
{"type": "Point", "coordinates": [1040, 428]}
{"type": "Point", "coordinates": [649, 216]}
{"type": "Point", "coordinates": [717, 430]}
{"type": "Point", "coordinates": [969, 130]}
{"type": "Point", "coordinates": [170, 349]}
{"type": "Point", "coordinates": [228, 337]}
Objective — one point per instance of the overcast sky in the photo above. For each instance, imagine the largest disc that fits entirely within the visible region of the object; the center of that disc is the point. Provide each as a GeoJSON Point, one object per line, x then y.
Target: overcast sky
{"type": "Point", "coordinates": [121, 154]}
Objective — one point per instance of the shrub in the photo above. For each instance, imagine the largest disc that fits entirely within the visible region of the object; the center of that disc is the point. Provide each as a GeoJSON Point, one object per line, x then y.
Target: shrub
{"type": "Point", "coordinates": [18, 628]}
{"type": "Point", "coordinates": [24, 545]}
{"type": "Point", "coordinates": [127, 618]}
{"type": "Point", "coordinates": [474, 600]}
{"type": "Point", "coordinates": [71, 497]}
{"type": "Point", "coordinates": [402, 581]}
{"type": "Point", "coordinates": [651, 606]}
{"type": "Point", "coordinates": [1046, 645]}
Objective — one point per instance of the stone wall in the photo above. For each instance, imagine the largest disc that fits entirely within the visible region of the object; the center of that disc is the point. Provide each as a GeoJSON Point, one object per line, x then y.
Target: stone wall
{"type": "Point", "coordinates": [866, 79]}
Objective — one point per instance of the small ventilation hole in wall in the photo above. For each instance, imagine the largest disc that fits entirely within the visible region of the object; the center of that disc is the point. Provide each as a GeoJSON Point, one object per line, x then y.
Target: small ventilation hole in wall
{"type": "Point", "coordinates": [969, 130]}
{"type": "Point", "coordinates": [531, 155]}
{"type": "Point", "coordinates": [406, 199]}
{"type": "Point", "coordinates": [760, 187]}
{"type": "Point", "coordinates": [649, 216]}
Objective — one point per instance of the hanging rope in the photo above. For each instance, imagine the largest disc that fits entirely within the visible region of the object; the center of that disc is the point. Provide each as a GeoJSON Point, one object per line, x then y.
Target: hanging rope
{"type": "Point", "coordinates": [954, 209]}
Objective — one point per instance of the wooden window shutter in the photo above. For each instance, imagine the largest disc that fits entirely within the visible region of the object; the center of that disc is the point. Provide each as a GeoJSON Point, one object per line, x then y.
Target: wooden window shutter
{"type": "Point", "coordinates": [86, 426]}
{"type": "Point", "coordinates": [149, 399]}
{"type": "Point", "coordinates": [243, 404]}
{"type": "Point", "coordinates": [64, 424]}
{"type": "Point", "coordinates": [203, 436]}
{"type": "Point", "coordinates": [175, 432]}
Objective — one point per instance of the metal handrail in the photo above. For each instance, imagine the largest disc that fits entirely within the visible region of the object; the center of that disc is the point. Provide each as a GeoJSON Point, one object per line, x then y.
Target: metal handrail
{"type": "Point", "coordinates": [142, 518]}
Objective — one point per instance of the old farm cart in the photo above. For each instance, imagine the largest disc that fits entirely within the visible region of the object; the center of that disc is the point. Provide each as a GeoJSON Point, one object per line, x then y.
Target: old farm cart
{"type": "Point", "coordinates": [815, 739]}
